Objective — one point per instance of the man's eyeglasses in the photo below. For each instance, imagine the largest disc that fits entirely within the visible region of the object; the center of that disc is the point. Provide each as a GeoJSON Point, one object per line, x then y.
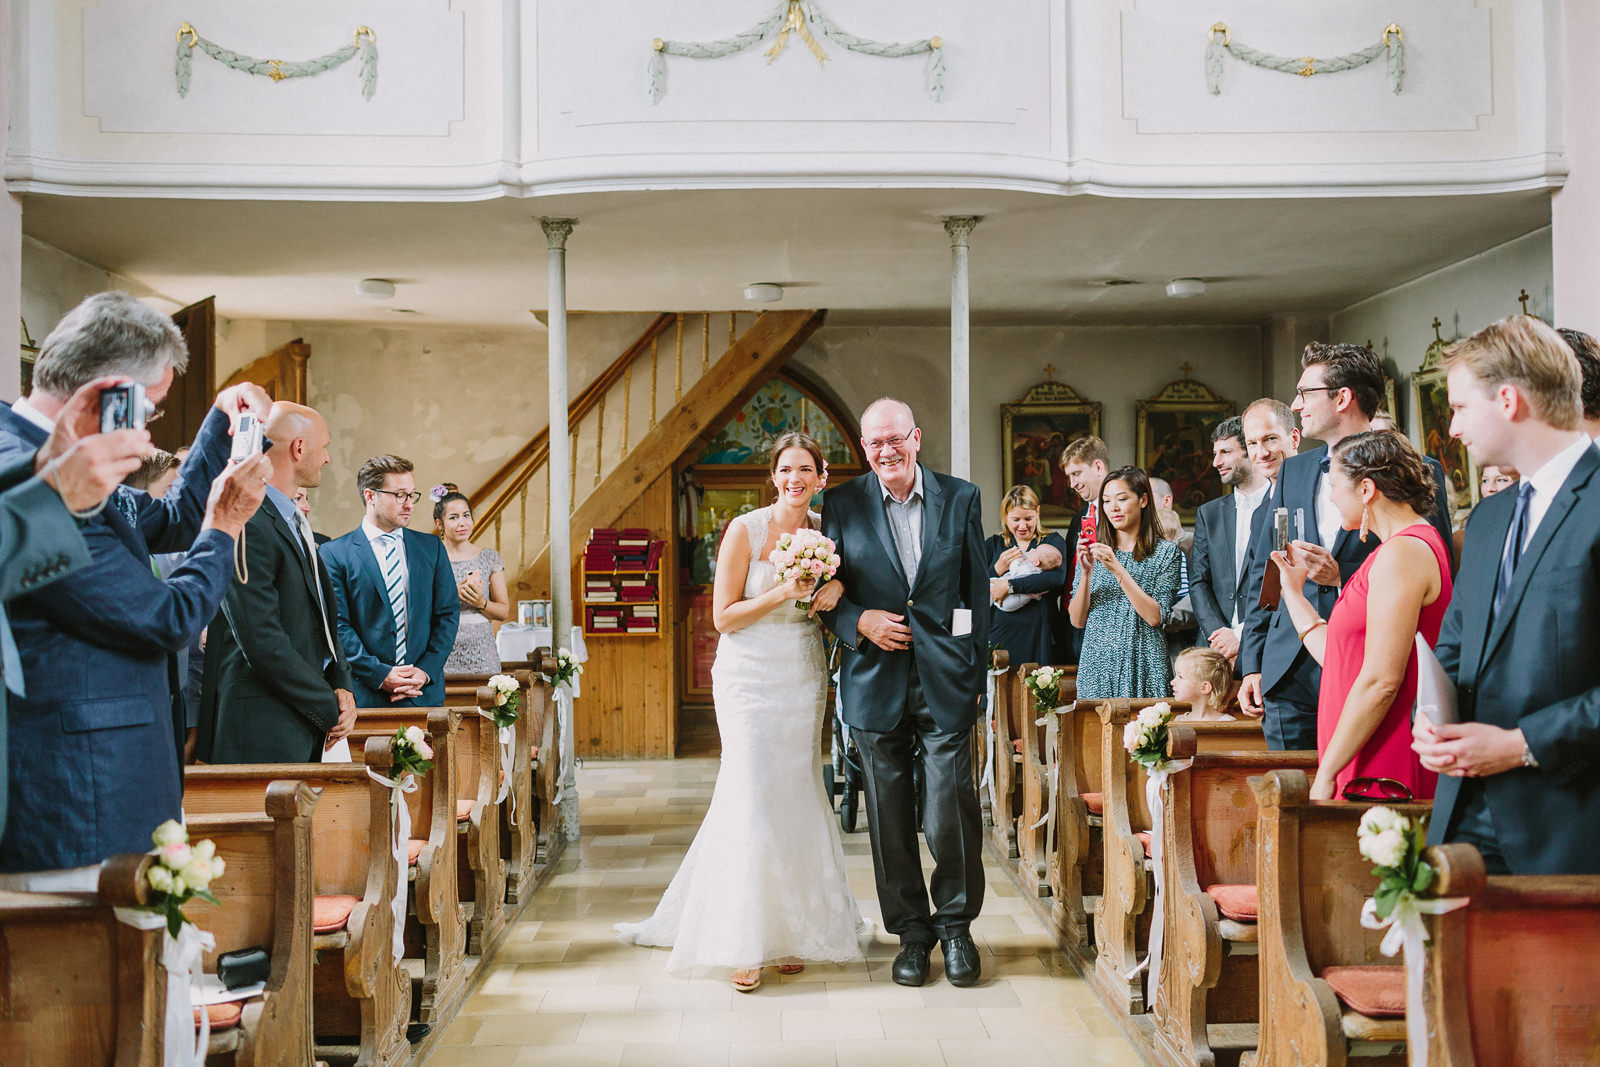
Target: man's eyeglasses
{"type": "Point", "coordinates": [1304, 389]}
{"type": "Point", "coordinates": [878, 444]}
{"type": "Point", "coordinates": [1379, 789]}
{"type": "Point", "coordinates": [400, 495]}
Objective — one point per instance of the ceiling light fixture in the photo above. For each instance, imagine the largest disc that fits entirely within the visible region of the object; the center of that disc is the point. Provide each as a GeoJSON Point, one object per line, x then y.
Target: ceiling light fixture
{"type": "Point", "coordinates": [1183, 288]}
{"type": "Point", "coordinates": [375, 288]}
{"type": "Point", "coordinates": [763, 293]}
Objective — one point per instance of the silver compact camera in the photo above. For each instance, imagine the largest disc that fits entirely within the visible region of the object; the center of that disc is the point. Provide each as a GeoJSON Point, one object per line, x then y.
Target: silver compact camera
{"type": "Point", "coordinates": [246, 438]}
{"type": "Point", "coordinates": [124, 407]}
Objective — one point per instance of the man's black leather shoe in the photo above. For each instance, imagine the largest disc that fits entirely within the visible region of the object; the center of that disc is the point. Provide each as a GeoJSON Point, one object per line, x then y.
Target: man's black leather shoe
{"type": "Point", "coordinates": [961, 965]}
{"type": "Point", "coordinates": [911, 965]}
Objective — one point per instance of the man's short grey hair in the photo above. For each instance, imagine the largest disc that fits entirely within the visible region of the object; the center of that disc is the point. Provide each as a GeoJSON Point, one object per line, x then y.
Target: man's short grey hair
{"type": "Point", "coordinates": [889, 401]}
{"type": "Point", "coordinates": [1282, 413]}
{"type": "Point", "coordinates": [109, 333]}
{"type": "Point", "coordinates": [1160, 487]}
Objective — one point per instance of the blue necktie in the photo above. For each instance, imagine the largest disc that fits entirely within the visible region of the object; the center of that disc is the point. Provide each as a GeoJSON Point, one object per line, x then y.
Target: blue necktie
{"type": "Point", "coordinates": [394, 580]}
{"type": "Point", "coordinates": [1324, 463]}
{"type": "Point", "coordinates": [1513, 553]}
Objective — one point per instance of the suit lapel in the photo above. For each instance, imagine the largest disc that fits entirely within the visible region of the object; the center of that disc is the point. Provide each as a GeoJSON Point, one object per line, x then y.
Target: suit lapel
{"type": "Point", "coordinates": [1230, 530]}
{"type": "Point", "coordinates": [1549, 526]}
{"type": "Point", "coordinates": [418, 585]}
{"type": "Point", "coordinates": [368, 562]}
{"type": "Point", "coordinates": [282, 528]}
{"type": "Point", "coordinates": [932, 511]}
{"type": "Point", "coordinates": [872, 492]}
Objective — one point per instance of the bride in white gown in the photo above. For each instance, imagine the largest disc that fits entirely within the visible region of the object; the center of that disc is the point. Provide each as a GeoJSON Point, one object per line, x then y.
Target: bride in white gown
{"type": "Point", "coordinates": [764, 881]}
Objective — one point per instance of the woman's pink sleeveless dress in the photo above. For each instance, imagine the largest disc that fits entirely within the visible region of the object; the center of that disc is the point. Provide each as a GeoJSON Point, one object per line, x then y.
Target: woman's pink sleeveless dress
{"type": "Point", "coordinates": [1387, 753]}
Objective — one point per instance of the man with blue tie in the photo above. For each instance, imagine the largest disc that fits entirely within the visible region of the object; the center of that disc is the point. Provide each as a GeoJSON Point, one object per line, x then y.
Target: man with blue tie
{"type": "Point", "coordinates": [1518, 770]}
{"type": "Point", "coordinates": [1340, 388]}
{"type": "Point", "coordinates": [395, 594]}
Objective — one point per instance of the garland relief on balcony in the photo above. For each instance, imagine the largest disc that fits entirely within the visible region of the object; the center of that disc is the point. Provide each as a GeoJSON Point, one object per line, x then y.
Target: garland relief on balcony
{"type": "Point", "coordinates": [794, 17]}
{"type": "Point", "coordinates": [1305, 66]}
{"type": "Point", "coordinates": [365, 44]}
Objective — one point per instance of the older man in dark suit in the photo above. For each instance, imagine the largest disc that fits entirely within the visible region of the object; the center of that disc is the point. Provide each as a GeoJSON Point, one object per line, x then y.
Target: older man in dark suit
{"type": "Point", "coordinates": [278, 686]}
{"type": "Point", "coordinates": [1518, 771]}
{"type": "Point", "coordinates": [1340, 389]}
{"type": "Point", "coordinates": [92, 763]}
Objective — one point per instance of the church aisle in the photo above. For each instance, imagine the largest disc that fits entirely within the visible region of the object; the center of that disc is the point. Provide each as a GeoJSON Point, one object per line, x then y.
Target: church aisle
{"type": "Point", "coordinates": [564, 990]}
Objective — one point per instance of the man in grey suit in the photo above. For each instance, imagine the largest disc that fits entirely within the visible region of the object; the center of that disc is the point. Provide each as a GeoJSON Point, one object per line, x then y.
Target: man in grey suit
{"type": "Point", "coordinates": [1222, 541]}
{"type": "Point", "coordinates": [1518, 770]}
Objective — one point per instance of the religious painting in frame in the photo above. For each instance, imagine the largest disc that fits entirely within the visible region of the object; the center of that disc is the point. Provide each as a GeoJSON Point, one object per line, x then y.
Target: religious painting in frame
{"type": "Point", "coordinates": [1033, 433]}
{"type": "Point", "coordinates": [1174, 441]}
{"type": "Point", "coordinates": [1432, 435]}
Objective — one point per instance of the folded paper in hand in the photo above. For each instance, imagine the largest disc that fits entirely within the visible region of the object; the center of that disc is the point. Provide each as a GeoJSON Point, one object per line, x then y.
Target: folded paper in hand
{"type": "Point", "coordinates": [1436, 693]}
{"type": "Point", "coordinates": [961, 622]}
{"type": "Point", "coordinates": [339, 753]}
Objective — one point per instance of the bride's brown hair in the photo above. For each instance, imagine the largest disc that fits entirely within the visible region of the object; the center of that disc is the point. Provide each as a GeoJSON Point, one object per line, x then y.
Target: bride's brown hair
{"type": "Point", "coordinates": [797, 439]}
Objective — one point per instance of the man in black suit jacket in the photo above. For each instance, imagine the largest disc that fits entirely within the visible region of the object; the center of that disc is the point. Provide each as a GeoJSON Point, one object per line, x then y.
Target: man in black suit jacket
{"type": "Point", "coordinates": [278, 686]}
{"type": "Point", "coordinates": [1340, 389]}
{"type": "Point", "coordinates": [1217, 567]}
{"type": "Point", "coordinates": [914, 616]}
{"type": "Point", "coordinates": [1518, 771]}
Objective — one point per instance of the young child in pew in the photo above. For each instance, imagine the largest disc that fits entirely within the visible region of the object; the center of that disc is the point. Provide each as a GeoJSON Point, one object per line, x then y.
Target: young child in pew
{"type": "Point", "coordinates": [1203, 678]}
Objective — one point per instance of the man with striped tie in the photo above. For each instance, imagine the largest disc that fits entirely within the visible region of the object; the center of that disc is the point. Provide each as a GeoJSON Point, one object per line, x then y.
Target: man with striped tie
{"type": "Point", "coordinates": [394, 593]}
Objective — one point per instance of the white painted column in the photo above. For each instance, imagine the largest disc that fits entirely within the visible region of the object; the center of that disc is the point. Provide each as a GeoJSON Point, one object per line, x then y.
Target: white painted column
{"type": "Point", "coordinates": [10, 250]}
{"type": "Point", "coordinates": [1575, 207]}
{"type": "Point", "coordinates": [959, 227]}
{"type": "Point", "coordinates": [556, 232]}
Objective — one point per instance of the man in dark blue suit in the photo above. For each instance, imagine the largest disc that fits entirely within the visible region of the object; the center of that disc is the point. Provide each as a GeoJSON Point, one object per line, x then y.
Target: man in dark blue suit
{"type": "Point", "coordinates": [1518, 771]}
{"type": "Point", "coordinates": [92, 763]}
{"type": "Point", "coordinates": [395, 594]}
{"type": "Point", "coordinates": [1340, 389]}
{"type": "Point", "coordinates": [914, 616]}
{"type": "Point", "coordinates": [1220, 554]}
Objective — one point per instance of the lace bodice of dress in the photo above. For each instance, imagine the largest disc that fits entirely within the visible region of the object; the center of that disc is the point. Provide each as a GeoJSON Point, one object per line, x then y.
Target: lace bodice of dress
{"type": "Point", "coordinates": [761, 575]}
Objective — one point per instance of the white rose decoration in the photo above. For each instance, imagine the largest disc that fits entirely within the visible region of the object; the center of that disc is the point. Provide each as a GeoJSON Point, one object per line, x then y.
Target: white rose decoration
{"type": "Point", "coordinates": [170, 832]}
{"type": "Point", "coordinates": [160, 878]}
{"type": "Point", "coordinates": [175, 856]}
{"type": "Point", "coordinates": [415, 735]}
{"type": "Point", "coordinates": [1380, 818]}
{"type": "Point", "coordinates": [1386, 849]}
{"type": "Point", "coordinates": [179, 887]}
{"type": "Point", "coordinates": [217, 867]}
{"type": "Point", "coordinates": [198, 873]}
{"type": "Point", "coordinates": [204, 849]}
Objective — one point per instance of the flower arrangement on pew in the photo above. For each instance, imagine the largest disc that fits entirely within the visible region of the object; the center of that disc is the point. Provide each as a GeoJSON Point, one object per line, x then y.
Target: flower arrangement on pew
{"type": "Point", "coordinates": [1045, 685]}
{"type": "Point", "coordinates": [567, 668]}
{"type": "Point", "coordinates": [412, 753]}
{"type": "Point", "coordinates": [805, 554]}
{"type": "Point", "coordinates": [1145, 737]}
{"type": "Point", "coordinates": [508, 698]}
{"type": "Point", "coordinates": [181, 872]}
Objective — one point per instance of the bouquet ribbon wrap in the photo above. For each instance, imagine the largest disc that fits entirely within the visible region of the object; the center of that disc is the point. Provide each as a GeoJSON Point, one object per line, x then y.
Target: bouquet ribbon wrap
{"type": "Point", "coordinates": [563, 695]}
{"type": "Point", "coordinates": [988, 741]}
{"type": "Point", "coordinates": [1405, 931]}
{"type": "Point", "coordinates": [402, 836]}
{"type": "Point", "coordinates": [504, 736]}
{"type": "Point", "coordinates": [1155, 797]}
{"type": "Point", "coordinates": [182, 956]}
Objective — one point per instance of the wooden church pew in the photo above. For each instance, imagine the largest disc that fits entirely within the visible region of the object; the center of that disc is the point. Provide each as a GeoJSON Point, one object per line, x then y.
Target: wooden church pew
{"type": "Point", "coordinates": [76, 985]}
{"type": "Point", "coordinates": [1312, 882]}
{"type": "Point", "coordinates": [1513, 977]}
{"type": "Point", "coordinates": [360, 990]}
{"type": "Point", "coordinates": [1122, 915]}
{"type": "Point", "coordinates": [266, 901]}
{"type": "Point", "coordinates": [1077, 866]}
{"type": "Point", "coordinates": [1208, 999]}
{"type": "Point", "coordinates": [1038, 785]}
{"type": "Point", "coordinates": [439, 937]}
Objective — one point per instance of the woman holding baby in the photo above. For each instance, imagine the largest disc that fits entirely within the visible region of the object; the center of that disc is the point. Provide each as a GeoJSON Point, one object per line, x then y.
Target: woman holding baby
{"type": "Point", "coordinates": [1027, 579]}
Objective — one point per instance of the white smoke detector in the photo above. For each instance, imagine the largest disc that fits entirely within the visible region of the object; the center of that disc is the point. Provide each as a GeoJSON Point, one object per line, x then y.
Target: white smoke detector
{"type": "Point", "coordinates": [375, 288]}
{"type": "Point", "coordinates": [763, 293]}
{"type": "Point", "coordinates": [1183, 288]}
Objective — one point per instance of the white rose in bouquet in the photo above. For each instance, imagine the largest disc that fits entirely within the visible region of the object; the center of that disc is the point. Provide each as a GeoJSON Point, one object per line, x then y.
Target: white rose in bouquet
{"type": "Point", "coordinates": [197, 873]}
{"type": "Point", "coordinates": [179, 887]}
{"type": "Point", "coordinates": [204, 849]}
{"type": "Point", "coordinates": [170, 832]}
{"type": "Point", "coordinates": [1380, 818]}
{"type": "Point", "coordinates": [175, 856]}
{"type": "Point", "coordinates": [415, 735]}
{"type": "Point", "coordinates": [217, 867]}
{"type": "Point", "coordinates": [160, 878]}
{"type": "Point", "coordinates": [1386, 849]}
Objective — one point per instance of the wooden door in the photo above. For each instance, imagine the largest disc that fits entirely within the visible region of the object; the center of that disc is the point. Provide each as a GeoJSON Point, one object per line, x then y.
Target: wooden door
{"type": "Point", "coordinates": [194, 390]}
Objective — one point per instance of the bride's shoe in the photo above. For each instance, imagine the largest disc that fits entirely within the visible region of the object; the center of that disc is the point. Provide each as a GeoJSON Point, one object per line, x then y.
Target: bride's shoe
{"type": "Point", "coordinates": [747, 980]}
{"type": "Point", "coordinates": [790, 968]}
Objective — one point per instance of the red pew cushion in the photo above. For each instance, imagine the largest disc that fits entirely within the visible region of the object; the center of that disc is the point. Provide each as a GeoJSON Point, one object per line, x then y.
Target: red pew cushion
{"type": "Point", "coordinates": [223, 1016]}
{"type": "Point", "coordinates": [414, 849]}
{"type": "Point", "coordinates": [1096, 802]}
{"type": "Point", "coordinates": [1144, 839]}
{"type": "Point", "coordinates": [1237, 902]}
{"type": "Point", "coordinates": [330, 913]}
{"type": "Point", "coordinates": [463, 810]}
{"type": "Point", "coordinates": [1376, 990]}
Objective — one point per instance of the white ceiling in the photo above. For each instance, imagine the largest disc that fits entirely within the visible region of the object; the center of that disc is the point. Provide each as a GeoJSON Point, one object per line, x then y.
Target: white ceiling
{"type": "Point", "coordinates": [870, 255]}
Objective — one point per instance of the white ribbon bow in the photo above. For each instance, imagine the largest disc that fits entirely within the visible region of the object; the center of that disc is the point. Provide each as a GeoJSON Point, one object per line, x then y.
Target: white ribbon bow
{"type": "Point", "coordinates": [988, 740]}
{"type": "Point", "coordinates": [182, 956]}
{"type": "Point", "coordinates": [1407, 932]}
{"type": "Point", "coordinates": [563, 697]}
{"type": "Point", "coordinates": [1155, 798]}
{"type": "Point", "coordinates": [505, 736]}
{"type": "Point", "coordinates": [402, 838]}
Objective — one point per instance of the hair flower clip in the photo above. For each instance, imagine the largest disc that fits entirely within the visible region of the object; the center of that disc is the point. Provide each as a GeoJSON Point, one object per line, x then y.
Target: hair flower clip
{"type": "Point", "coordinates": [437, 493]}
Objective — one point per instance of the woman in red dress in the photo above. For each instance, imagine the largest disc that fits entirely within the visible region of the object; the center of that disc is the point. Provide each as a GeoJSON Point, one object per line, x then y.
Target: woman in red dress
{"type": "Point", "coordinates": [1367, 646]}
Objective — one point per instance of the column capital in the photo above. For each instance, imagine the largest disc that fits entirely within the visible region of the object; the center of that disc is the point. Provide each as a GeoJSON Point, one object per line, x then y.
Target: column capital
{"type": "Point", "coordinates": [960, 227]}
{"type": "Point", "coordinates": [556, 231]}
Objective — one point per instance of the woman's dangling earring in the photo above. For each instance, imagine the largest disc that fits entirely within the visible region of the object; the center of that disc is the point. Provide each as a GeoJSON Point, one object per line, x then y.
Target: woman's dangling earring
{"type": "Point", "coordinates": [1366, 520]}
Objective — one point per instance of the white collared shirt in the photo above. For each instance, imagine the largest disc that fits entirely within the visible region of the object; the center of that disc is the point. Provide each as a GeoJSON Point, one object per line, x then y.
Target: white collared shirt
{"type": "Point", "coordinates": [1548, 480]}
{"type": "Point", "coordinates": [1328, 520]}
{"type": "Point", "coordinates": [28, 413]}
{"type": "Point", "coordinates": [370, 528]}
{"type": "Point", "coordinates": [1245, 505]}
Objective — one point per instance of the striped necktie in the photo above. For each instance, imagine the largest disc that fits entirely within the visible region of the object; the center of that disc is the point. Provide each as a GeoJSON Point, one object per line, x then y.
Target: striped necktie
{"type": "Point", "coordinates": [394, 580]}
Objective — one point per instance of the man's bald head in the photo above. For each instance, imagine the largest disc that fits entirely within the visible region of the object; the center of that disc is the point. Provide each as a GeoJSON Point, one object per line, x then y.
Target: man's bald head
{"type": "Point", "coordinates": [300, 446]}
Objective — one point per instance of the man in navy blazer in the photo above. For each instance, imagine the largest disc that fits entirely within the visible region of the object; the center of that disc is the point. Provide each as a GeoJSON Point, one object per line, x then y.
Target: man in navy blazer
{"type": "Point", "coordinates": [93, 767]}
{"type": "Point", "coordinates": [1518, 772]}
{"type": "Point", "coordinates": [1219, 557]}
{"type": "Point", "coordinates": [914, 617]}
{"type": "Point", "coordinates": [395, 594]}
{"type": "Point", "coordinates": [1340, 389]}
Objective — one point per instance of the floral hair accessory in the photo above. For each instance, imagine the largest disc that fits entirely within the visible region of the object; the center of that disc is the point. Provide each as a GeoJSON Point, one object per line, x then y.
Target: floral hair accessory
{"type": "Point", "coordinates": [437, 493]}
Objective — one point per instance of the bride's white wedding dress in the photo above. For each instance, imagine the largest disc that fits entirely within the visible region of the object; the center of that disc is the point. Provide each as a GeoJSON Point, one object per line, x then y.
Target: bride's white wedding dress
{"type": "Point", "coordinates": [764, 881]}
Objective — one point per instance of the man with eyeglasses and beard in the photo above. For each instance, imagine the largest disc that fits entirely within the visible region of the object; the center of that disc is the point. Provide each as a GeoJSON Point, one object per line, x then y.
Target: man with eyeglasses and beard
{"type": "Point", "coordinates": [394, 593]}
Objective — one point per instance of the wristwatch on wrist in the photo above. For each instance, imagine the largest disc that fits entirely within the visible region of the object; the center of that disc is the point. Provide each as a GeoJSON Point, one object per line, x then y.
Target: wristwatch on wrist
{"type": "Point", "coordinates": [1527, 756]}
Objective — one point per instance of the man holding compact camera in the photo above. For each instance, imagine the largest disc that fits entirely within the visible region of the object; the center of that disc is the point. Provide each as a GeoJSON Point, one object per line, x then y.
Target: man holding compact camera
{"type": "Point", "coordinates": [93, 764]}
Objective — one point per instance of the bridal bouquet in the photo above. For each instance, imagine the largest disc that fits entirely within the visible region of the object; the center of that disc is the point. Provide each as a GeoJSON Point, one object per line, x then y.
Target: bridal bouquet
{"type": "Point", "coordinates": [1145, 738]}
{"type": "Point", "coordinates": [181, 872]}
{"type": "Point", "coordinates": [412, 753]}
{"type": "Point", "coordinates": [508, 695]}
{"type": "Point", "coordinates": [805, 554]}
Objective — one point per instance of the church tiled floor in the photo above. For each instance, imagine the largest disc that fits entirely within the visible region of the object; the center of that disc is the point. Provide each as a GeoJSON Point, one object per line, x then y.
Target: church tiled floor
{"type": "Point", "coordinates": [564, 990]}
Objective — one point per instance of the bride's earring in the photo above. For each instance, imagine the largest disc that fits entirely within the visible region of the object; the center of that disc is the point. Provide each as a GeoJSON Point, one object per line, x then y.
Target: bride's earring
{"type": "Point", "coordinates": [1366, 520]}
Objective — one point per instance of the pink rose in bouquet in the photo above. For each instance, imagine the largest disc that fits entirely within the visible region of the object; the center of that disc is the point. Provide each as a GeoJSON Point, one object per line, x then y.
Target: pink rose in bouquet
{"type": "Point", "coordinates": [805, 554]}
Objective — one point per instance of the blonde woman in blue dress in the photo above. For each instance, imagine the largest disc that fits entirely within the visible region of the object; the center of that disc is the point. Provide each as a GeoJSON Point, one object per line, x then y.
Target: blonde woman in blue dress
{"type": "Point", "coordinates": [764, 882]}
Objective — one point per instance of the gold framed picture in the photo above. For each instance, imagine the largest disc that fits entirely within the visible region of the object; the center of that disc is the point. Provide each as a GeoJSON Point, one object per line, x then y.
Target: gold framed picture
{"type": "Point", "coordinates": [1174, 441]}
{"type": "Point", "coordinates": [1033, 433]}
{"type": "Point", "coordinates": [1433, 432]}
